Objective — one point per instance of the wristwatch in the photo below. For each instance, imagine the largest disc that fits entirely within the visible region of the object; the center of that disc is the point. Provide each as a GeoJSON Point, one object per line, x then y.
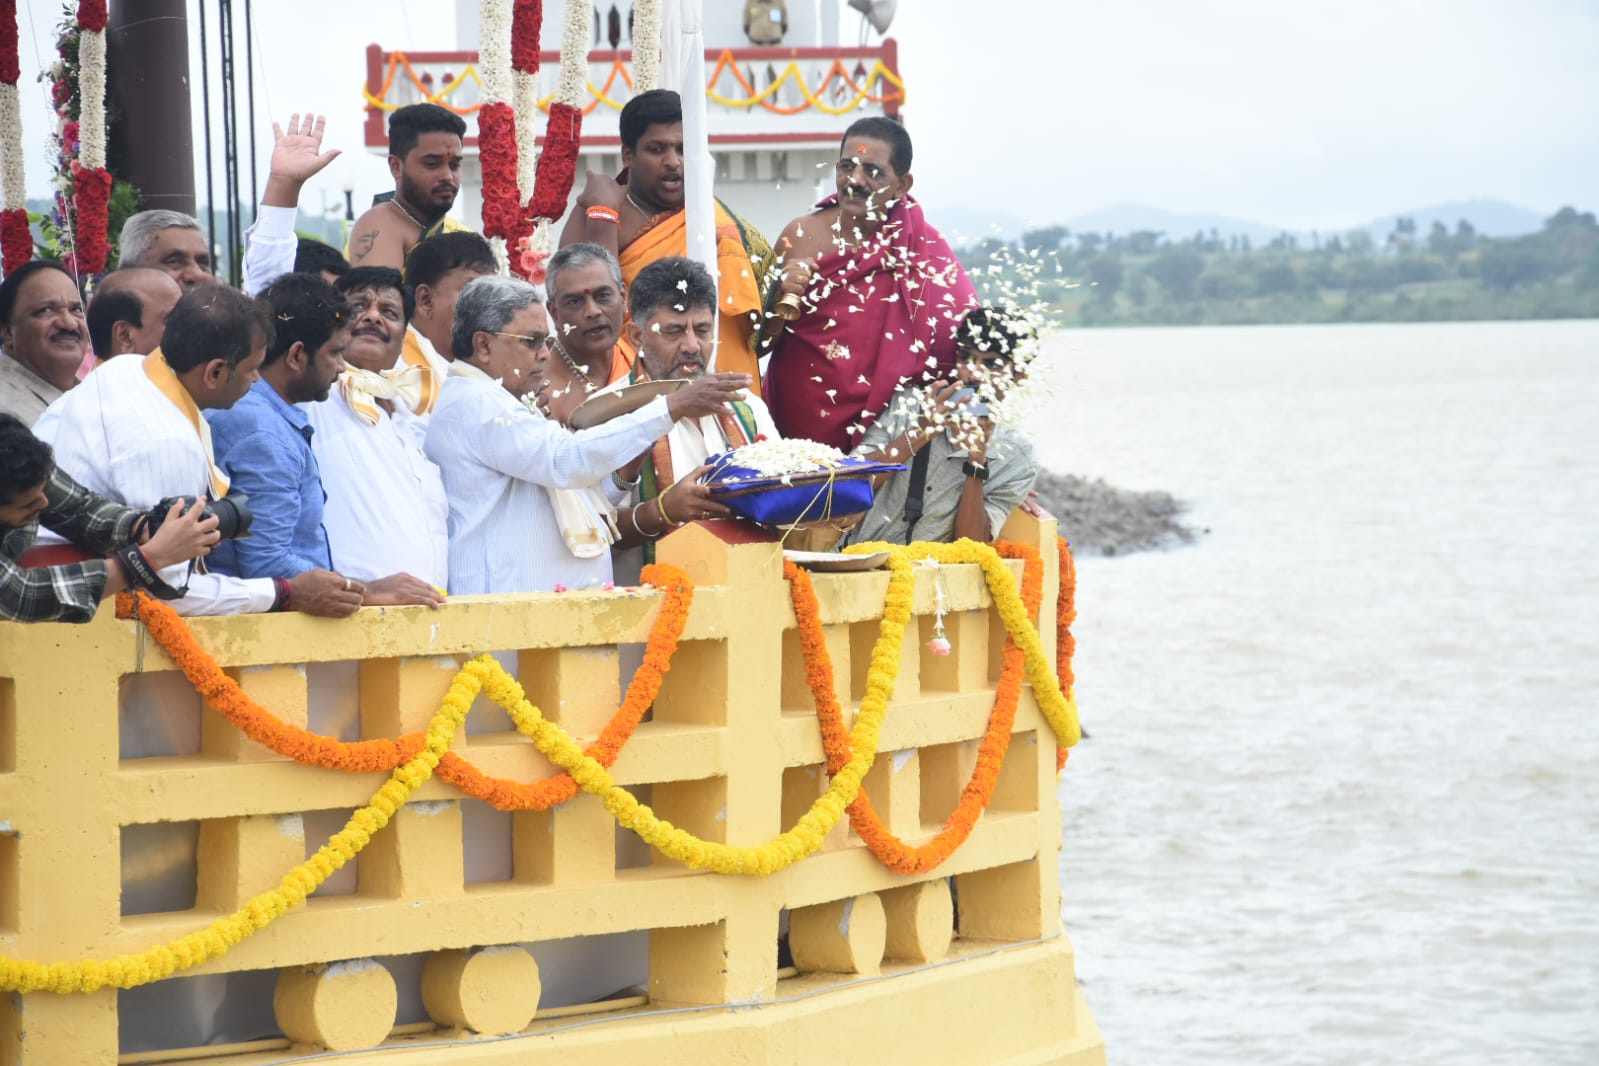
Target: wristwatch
{"type": "Point", "coordinates": [971, 469]}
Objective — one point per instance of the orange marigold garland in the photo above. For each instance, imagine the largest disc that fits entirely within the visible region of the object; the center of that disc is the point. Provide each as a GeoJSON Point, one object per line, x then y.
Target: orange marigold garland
{"type": "Point", "coordinates": [892, 851]}
{"type": "Point", "coordinates": [1065, 643]}
{"type": "Point", "coordinates": [223, 694]}
{"type": "Point", "coordinates": [641, 692]}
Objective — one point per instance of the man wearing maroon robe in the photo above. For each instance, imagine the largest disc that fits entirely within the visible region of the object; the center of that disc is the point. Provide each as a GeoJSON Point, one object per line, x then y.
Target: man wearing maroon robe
{"type": "Point", "coordinates": [869, 296]}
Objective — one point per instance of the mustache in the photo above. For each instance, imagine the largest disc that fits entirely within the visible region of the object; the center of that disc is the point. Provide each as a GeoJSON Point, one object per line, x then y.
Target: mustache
{"type": "Point", "coordinates": [60, 333]}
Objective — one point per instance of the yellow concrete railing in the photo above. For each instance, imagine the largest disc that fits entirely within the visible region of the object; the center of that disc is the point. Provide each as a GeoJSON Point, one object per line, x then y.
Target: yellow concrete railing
{"type": "Point", "coordinates": [130, 816]}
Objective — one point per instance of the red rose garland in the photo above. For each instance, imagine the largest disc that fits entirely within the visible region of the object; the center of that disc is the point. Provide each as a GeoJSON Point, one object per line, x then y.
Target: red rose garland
{"type": "Point", "coordinates": [91, 185]}
{"type": "Point", "coordinates": [527, 17]}
{"type": "Point", "coordinates": [10, 67]}
{"type": "Point", "coordinates": [496, 123]}
{"type": "Point", "coordinates": [557, 163]}
{"type": "Point", "coordinates": [91, 195]}
{"type": "Point", "coordinates": [16, 242]}
{"type": "Point", "coordinates": [92, 15]}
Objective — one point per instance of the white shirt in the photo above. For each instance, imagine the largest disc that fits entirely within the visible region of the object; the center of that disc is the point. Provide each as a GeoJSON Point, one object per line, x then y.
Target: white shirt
{"type": "Point", "coordinates": [498, 457]}
{"type": "Point", "coordinates": [270, 245]}
{"type": "Point", "coordinates": [120, 437]}
{"type": "Point", "coordinates": [415, 425]}
{"type": "Point", "coordinates": [385, 512]}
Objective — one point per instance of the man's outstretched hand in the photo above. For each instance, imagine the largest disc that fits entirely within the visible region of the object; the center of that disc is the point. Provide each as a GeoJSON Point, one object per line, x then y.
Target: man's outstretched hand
{"type": "Point", "coordinates": [297, 157]}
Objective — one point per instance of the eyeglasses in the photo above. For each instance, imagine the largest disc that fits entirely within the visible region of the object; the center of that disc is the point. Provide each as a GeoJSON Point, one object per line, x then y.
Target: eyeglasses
{"type": "Point", "coordinates": [875, 174]}
{"type": "Point", "coordinates": [534, 342]}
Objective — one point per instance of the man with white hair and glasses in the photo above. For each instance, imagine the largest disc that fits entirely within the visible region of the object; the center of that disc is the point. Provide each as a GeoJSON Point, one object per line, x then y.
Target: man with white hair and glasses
{"type": "Point", "coordinates": [501, 458]}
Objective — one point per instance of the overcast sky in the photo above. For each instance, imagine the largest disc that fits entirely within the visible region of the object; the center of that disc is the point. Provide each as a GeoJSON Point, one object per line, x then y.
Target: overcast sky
{"type": "Point", "coordinates": [1292, 112]}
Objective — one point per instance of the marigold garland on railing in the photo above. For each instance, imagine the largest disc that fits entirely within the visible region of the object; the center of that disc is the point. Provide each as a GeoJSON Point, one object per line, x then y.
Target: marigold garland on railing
{"type": "Point", "coordinates": [483, 674]}
{"type": "Point", "coordinates": [225, 697]}
{"type": "Point", "coordinates": [892, 851]}
{"type": "Point", "coordinates": [1065, 643]}
{"type": "Point", "coordinates": [810, 829]}
{"type": "Point", "coordinates": [216, 939]}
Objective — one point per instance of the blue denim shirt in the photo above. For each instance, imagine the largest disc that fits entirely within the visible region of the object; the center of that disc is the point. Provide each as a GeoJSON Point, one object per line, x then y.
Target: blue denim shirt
{"type": "Point", "coordinates": [263, 443]}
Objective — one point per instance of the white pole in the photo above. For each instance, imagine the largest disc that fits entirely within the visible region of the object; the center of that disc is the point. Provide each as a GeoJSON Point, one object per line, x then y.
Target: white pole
{"type": "Point", "coordinates": [683, 69]}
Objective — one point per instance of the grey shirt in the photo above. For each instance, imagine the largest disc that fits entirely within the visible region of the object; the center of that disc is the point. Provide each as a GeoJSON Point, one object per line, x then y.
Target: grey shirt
{"type": "Point", "coordinates": [1011, 473]}
{"type": "Point", "coordinates": [24, 393]}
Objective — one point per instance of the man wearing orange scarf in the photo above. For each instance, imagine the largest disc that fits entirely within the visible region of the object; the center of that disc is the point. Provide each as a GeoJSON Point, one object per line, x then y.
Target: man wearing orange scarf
{"type": "Point", "coordinates": [639, 216]}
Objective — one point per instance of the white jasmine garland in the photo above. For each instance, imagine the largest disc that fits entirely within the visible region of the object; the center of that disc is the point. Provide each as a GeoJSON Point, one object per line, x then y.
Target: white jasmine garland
{"type": "Point", "coordinates": [91, 96]}
{"type": "Point", "coordinates": [14, 195]}
{"type": "Point", "coordinates": [525, 101]}
{"type": "Point", "coordinates": [572, 83]}
{"type": "Point", "coordinates": [494, 50]}
{"type": "Point", "coordinates": [646, 45]}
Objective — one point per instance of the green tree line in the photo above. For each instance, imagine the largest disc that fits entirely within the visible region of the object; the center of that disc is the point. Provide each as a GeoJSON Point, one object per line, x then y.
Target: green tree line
{"type": "Point", "coordinates": [1444, 274]}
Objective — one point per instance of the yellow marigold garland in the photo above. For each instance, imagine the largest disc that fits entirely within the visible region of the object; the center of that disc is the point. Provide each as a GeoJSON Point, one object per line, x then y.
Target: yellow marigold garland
{"type": "Point", "coordinates": [890, 850]}
{"type": "Point", "coordinates": [812, 827]}
{"type": "Point", "coordinates": [223, 695]}
{"type": "Point", "coordinates": [1060, 710]}
{"type": "Point", "coordinates": [216, 939]}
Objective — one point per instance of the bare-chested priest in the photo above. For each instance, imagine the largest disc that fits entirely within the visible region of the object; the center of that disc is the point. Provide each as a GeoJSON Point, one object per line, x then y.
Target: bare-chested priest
{"type": "Point", "coordinates": [425, 147]}
{"type": "Point", "coordinates": [638, 216]}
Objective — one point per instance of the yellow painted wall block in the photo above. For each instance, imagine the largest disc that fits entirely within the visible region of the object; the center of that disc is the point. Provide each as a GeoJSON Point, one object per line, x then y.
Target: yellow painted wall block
{"type": "Point", "coordinates": [845, 936]}
{"type": "Point", "coordinates": [920, 921]}
{"type": "Point", "coordinates": [343, 1006]}
{"type": "Point", "coordinates": [492, 991]}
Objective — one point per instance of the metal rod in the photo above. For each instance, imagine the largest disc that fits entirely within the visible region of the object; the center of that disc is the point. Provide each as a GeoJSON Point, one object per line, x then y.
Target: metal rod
{"type": "Point", "coordinates": [205, 116]}
{"type": "Point", "coordinates": [249, 75]}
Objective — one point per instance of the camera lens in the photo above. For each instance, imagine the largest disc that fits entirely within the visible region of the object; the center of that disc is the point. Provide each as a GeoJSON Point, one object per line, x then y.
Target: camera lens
{"type": "Point", "coordinates": [233, 515]}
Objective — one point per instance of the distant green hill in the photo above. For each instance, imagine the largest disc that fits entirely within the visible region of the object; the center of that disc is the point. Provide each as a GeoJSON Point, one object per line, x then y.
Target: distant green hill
{"type": "Point", "coordinates": [1415, 272]}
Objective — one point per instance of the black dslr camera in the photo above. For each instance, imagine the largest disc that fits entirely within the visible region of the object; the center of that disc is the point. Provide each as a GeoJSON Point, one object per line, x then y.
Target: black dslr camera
{"type": "Point", "coordinates": [232, 513]}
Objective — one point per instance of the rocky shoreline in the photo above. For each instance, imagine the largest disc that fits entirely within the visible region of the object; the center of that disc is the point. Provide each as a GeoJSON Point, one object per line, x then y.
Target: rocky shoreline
{"type": "Point", "coordinates": [1100, 519]}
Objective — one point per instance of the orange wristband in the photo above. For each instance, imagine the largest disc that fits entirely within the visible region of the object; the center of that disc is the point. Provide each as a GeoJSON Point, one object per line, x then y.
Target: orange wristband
{"type": "Point", "coordinates": [605, 214]}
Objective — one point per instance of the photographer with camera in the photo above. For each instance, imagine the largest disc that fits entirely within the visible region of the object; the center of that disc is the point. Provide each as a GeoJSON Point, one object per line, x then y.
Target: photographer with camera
{"type": "Point", "coordinates": [132, 432]}
{"type": "Point", "coordinates": [966, 471]}
{"type": "Point", "coordinates": [122, 542]}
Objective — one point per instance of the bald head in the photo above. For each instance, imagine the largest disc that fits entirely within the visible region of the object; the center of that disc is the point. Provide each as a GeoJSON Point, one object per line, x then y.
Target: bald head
{"type": "Point", "coordinates": [129, 311]}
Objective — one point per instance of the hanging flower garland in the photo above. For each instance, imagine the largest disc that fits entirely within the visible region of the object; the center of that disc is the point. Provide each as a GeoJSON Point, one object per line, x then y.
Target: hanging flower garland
{"type": "Point", "coordinates": [557, 167]}
{"type": "Point", "coordinates": [224, 696]}
{"type": "Point", "coordinates": [16, 241]}
{"type": "Point", "coordinates": [890, 849]}
{"type": "Point", "coordinates": [646, 45]}
{"type": "Point", "coordinates": [1065, 643]}
{"type": "Point", "coordinates": [497, 126]}
{"type": "Point", "coordinates": [91, 181]}
{"type": "Point", "coordinates": [527, 20]}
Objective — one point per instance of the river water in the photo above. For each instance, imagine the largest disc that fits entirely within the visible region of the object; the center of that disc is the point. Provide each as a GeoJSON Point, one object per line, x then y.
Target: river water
{"type": "Point", "coordinates": [1341, 800]}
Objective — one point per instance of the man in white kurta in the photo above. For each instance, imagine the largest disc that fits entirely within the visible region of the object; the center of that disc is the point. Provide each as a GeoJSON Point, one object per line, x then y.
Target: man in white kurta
{"type": "Point", "coordinates": [121, 436]}
{"type": "Point", "coordinates": [386, 512]}
{"type": "Point", "coordinates": [500, 458]}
